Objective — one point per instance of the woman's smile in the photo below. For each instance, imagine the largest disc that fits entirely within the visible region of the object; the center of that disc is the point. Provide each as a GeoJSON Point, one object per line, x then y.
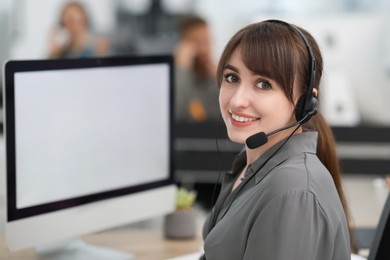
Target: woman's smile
{"type": "Point", "coordinates": [241, 119]}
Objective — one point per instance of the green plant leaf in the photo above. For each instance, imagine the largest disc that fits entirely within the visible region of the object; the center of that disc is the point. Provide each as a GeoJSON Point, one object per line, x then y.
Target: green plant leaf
{"type": "Point", "coordinates": [185, 199]}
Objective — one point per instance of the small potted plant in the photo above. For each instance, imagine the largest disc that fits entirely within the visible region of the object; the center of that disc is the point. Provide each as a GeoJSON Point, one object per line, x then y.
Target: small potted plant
{"type": "Point", "coordinates": [181, 224]}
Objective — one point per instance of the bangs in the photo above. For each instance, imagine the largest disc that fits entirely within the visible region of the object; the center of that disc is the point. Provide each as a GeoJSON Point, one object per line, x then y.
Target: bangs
{"type": "Point", "coordinates": [269, 51]}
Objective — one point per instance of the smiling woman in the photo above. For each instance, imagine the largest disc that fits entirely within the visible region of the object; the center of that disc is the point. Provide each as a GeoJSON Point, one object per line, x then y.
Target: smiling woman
{"type": "Point", "coordinates": [283, 198]}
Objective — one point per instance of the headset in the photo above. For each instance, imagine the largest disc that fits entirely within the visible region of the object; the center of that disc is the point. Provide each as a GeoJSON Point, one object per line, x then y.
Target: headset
{"type": "Point", "coordinates": [307, 106]}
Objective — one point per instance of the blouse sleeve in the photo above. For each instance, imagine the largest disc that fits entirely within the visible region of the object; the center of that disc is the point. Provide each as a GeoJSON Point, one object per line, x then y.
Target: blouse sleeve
{"type": "Point", "coordinates": [292, 226]}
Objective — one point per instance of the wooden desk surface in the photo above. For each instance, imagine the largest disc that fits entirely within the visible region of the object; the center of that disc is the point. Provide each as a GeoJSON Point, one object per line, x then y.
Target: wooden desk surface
{"type": "Point", "coordinates": [142, 243]}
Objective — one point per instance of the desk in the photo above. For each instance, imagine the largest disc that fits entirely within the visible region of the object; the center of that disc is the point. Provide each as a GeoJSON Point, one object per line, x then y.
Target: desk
{"type": "Point", "coordinates": [366, 196]}
{"type": "Point", "coordinates": [145, 243]}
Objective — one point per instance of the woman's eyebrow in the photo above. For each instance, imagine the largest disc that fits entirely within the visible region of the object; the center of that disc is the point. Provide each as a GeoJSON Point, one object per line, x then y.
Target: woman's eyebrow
{"type": "Point", "coordinates": [231, 67]}
{"type": "Point", "coordinates": [235, 69]}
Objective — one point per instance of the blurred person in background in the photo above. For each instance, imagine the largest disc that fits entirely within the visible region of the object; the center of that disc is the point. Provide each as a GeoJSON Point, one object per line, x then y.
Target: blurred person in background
{"type": "Point", "coordinates": [73, 37]}
{"type": "Point", "coordinates": [196, 89]}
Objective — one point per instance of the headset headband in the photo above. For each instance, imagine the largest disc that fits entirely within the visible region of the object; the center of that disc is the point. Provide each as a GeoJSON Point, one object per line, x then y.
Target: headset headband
{"type": "Point", "coordinates": [307, 106]}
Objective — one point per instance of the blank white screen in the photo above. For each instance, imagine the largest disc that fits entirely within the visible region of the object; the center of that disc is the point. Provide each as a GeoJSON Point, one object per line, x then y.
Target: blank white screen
{"type": "Point", "coordinates": [83, 131]}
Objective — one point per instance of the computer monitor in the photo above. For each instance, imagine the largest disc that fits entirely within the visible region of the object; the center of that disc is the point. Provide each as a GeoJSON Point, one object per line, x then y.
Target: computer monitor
{"type": "Point", "coordinates": [379, 249]}
{"type": "Point", "coordinates": [88, 145]}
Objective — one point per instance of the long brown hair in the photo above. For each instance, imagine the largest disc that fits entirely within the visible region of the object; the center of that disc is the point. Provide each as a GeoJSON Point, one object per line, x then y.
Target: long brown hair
{"type": "Point", "coordinates": [276, 50]}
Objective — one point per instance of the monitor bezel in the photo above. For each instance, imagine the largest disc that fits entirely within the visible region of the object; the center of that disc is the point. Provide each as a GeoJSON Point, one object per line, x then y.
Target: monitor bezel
{"type": "Point", "coordinates": [15, 66]}
{"type": "Point", "coordinates": [381, 234]}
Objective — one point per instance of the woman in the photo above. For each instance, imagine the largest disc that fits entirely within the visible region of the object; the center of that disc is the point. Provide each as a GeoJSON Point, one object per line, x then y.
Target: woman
{"type": "Point", "coordinates": [73, 38]}
{"type": "Point", "coordinates": [196, 91]}
{"type": "Point", "coordinates": [283, 198]}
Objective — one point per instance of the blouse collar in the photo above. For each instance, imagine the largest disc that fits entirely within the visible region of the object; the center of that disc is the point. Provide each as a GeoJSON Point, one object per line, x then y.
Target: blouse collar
{"type": "Point", "coordinates": [305, 142]}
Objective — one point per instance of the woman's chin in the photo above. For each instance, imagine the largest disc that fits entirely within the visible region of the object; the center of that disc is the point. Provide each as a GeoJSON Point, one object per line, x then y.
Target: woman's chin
{"type": "Point", "coordinates": [237, 139]}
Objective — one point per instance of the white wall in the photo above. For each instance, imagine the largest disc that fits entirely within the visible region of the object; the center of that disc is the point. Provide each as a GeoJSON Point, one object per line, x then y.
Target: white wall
{"type": "Point", "coordinates": [226, 17]}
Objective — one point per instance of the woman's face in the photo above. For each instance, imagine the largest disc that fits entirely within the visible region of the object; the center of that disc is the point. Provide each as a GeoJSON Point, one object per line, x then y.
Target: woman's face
{"type": "Point", "coordinates": [74, 20]}
{"type": "Point", "coordinates": [251, 103]}
{"type": "Point", "coordinates": [200, 37]}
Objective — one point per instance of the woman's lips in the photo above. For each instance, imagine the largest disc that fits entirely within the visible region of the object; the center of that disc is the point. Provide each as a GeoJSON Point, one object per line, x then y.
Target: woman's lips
{"type": "Point", "coordinates": [240, 119]}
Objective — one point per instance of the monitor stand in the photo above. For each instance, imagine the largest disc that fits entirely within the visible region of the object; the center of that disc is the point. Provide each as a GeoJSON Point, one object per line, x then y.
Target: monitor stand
{"type": "Point", "coordinates": [79, 250]}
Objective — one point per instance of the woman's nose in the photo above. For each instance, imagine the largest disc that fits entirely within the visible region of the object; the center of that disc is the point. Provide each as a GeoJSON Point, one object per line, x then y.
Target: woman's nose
{"type": "Point", "coordinates": [241, 97]}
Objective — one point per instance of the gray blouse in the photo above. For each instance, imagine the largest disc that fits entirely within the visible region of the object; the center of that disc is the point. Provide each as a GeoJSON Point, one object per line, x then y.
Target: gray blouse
{"type": "Point", "coordinates": [286, 207]}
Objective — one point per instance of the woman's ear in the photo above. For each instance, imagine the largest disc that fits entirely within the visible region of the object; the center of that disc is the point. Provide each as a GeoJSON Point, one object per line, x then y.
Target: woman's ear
{"type": "Point", "coordinates": [315, 92]}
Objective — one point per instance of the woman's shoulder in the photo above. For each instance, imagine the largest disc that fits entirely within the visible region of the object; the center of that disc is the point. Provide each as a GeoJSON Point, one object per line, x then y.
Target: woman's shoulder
{"type": "Point", "coordinates": [302, 173]}
{"type": "Point", "coordinates": [307, 177]}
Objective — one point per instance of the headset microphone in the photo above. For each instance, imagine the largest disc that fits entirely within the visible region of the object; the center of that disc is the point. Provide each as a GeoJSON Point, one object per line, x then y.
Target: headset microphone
{"type": "Point", "coordinates": [256, 140]}
{"type": "Point", "coordinates": [261, 138]}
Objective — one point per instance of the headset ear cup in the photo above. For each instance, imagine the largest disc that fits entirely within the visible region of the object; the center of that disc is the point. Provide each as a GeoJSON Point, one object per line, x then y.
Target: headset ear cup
{"type": "Point", "coordinates": [313, 106]}
{"type": "Point", "coordinates": [300, 109]}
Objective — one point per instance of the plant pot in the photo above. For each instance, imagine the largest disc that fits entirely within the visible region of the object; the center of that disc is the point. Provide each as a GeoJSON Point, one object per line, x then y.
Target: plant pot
{"type": "Point", "coordinates": [180, 224]}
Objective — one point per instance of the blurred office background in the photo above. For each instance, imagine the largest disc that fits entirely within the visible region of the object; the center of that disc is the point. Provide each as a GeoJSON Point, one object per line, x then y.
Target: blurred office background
{"type": "Point", "coordinates": [354, 36]}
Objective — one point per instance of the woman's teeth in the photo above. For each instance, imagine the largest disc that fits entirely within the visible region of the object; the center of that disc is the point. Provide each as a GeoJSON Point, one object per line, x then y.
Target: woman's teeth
{"type": "Point", "coordinates": [242, 119]}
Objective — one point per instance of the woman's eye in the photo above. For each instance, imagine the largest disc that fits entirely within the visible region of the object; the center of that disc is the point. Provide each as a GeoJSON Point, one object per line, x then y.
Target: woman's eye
{"type": "Point", "coordinates": [231, 78]}
{"type": "Point", "coordinates": [263, 85]}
